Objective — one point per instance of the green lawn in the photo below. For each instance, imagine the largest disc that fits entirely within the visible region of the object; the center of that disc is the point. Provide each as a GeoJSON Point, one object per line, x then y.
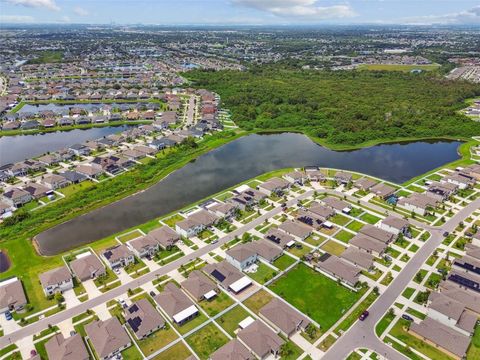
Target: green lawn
{"type": "Point", "coordinates": [344, 236]}
{"type": "Point", "coordinates": [305, 288]}
{"type": "Point", "coordinates": [217, 304]}
{"type": "Point", "coordinates": [408, 292]}
{"type": "Point", "coordinates": [131, 353]}
{"type": "Point", "coordinates": [191, 324]}
{"type": "Point", "coordinates": [369, 218]}
{"type": "Point", "coordinates": [333, 247]}
{"type": "Point", "coordinates": [207, 340]}
{"type": "Point", "coordinates": [157, 340]}
{"type": "Point", "coordinates": [474, 349]}
{"type": "Point", "coordinates": [300, 251]}
{"type": "Point", "coordinates": [383, 323]}
{"type": "Point", "coordinates": [230, 320]}
{"type": "Point", "coordinates": [129, 236]}
{"type": "Point", "coordinates": [339, 219]}
{"type": "Point", "coordinates": [283, 262]}
{"type": "Point", "coordinates": [263, 273]}
{"type": "Point", "coordinates": [178, 352]}
{"type": "Point", "coordinates": [350, 319]}
{"type": "Point", "coordinates": [355, 226]}
{"type": "Point", "coordinates": [258, 300]}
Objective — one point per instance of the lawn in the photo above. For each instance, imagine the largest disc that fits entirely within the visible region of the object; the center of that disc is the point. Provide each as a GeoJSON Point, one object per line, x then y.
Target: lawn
{"type": "Point", "coordinates": [474, 349]}
{"type": "Point", "coordinates": [383, 323]}
{"type": "Point", "coordinates": [369, 218]}
{"type": "Point", "coordinates": [283, 262]}
{"type": "Point", "coordinates": [71, 189]}
{"type": "Point", "coordinates": [130, 236]}
{"type": "Point", "coordinates": [191, 324]}
{"type": "Point", "coordinates": [399, 331]}
{"type": "Point", "coordinates": [157, 340]}
{"type": "Point", "coordinates": [178, 352]}
{"type": "Point", "coordinates": [333, 247]}
{"type": "Point", "coordinates": [355, 225]}
{"type": "Point", "coordinates": [258, 300]}
{"type": "Point", "coordinates": [230, 320]}
{"type": "Point", "coordinates": [263, 273]}
{"type": "Point", "coordinates": [172, 220]}
{"type": "Point", "coordinates": [305, 288]}
{"type": "Point", "coordinates": [314, 240]}
{"type": "Point", "coordinates": [350, 319]}
{"type": "Point", "coordinates": [344, 236]}
{"type": "Point", "coordinates": [207, 340]}
{"type": "Point", "coordinates": [300, 251]}
{"type": "Point", "coordinates": [340, 219]}
{"type": "Point", "coordinates": [408, 292]}
{"type": "Point", "coordinates": [217, 304]}
{"type": "Point", "coordinates": [131, 353]}
{"type": "Point", "coordinates": [399, 67]}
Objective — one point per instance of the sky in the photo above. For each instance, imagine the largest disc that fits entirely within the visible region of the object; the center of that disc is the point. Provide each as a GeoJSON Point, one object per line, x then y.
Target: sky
{"type": "Point", "coordinates": [241, 12]}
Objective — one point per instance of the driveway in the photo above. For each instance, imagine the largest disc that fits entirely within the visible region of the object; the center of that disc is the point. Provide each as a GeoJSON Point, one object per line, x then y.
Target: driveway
{"type": "Point", "coordinates": [91, 289]}
{"type": "Point", "coordinates": [71, 299]}
{"type": "Point", "coordinates": [8, 326]}
{"type": "Point", "coordinates": [124, 277]}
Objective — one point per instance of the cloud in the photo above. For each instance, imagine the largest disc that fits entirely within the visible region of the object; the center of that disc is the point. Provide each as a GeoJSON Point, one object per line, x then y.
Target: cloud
{"type": "Point", "coordinates": [16, 19]}
{"type": "Point", "coordinates": [300, 9]}
{"type": "Point", "coordinates": [80, 11]}
{"type": "Point", "coordinates": [471, 16]}
{"type": "Point", "coordinates": [66, 19]}
{"type": "Point", "coordinates": [47, 4]}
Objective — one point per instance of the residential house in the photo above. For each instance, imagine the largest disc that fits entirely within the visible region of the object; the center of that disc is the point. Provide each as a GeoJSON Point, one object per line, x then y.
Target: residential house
{"type": "Point", "coordinates": [241, 256]}
{"type": "Point", "coordinates": [73, 177]}
{"type": "Point", "coordinates": [365, 183]}
{"type": "Point", "coordinates": [377, 233]}
{"type": "Point", "coordinates": [72, 348]}
{"type": "Point", "coordinates": [57, 280]}
{"type": "Point", "coordinates": [165, 236]}
{"type": "Point", "coordinates": [368, 244]}
{"type": "Point", "coordinates": [17, 197]}
{"type": "Point", "coordinates": [37, 191]}
{"type": "Point", "coordinates": [339, 269]}
{"type": "Point", "coordinates": [228, 276]}
{"type": "Point", "coordinates": [343, 177]}
{"type": "Point", "coordinates": [108, 337]}
{"type": "Point", "coordinates": [176, 304]}
{"type": "Point", "coordinates": [461, 180]}
{"type": "Point", "coordinates": [260, 339]}
{"type": "Point", "coordinates": [382, 190]}
{"type": "Point", "coordinates": [145, 246]}
{"type": "Point", "coordinates": [224, 210]}
{"type": "Point", "coordinates": [266, 250]}
{"type": "Point", "coordinates": [358, 258]}
{"type": "Point", "coordinates": [12, 295]}
{"type": "Point", "coordinates": [280, 238]}
{"type": "Point", "coordinates": [54, 181]}
{"type": "Point", "coordinates": [199, 286]}
{"type": "Point", "coordinates": [233, 350]}
{"type": "Point", "coordinates": [92, 171]}
{"type": "Point", "coordinates": [143, 319]}
{"type": "Point", "coordinates": [283, 317]}
{"type": "Point", "coordinates": [296, 177]}
{"type": "Point", "coordinates": [296, 229]}
{"type": "Point", "coordinates": [337, 204]}
{"type": "Point", "coordinates": [418, 203]}
{"type": "Point", "coordinates": [444, 189]}
{"type": "Point", "coordinates": [79, 150]}
{"type": "Point", "coordinates": [119, 256]}
{"type": "Point", "coordinates": [395, 225]}
{"type": "Point", "coordinates": [247, 198]}
{"type": "Point", "coordinates": [274, 186]}
{"type": "Point", "coordinates": [87, 266]}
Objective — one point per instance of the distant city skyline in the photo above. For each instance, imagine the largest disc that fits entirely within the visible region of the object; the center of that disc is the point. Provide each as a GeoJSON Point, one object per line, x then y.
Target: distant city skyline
{"type": "Point", "coordinates": [241, 12]}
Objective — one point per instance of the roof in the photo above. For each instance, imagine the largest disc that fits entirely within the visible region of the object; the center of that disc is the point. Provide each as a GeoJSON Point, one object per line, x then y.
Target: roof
{"type": "Point", "coordinates": [376, 233]}
{"type": "Point", "coordinates": [365, 183]}
{"type": "Point", "coordinates": [233, 350]}
{"type": "Point", "coordinates": [283, 316]}
{"type": "Point", "coordinates": [340, 268]}
{"type": "Point", "coordinates": [358, 257]}
{"type": "Point", "coordinates": [445, 305]}
{"type": "Point", "coordinates": [241, 252]}
{"type": "Point", "coordinates": [395, 222]}
{"type": "Point", "coordinates": [266, 249]}
{"type": "Point", "coordinates": [165, 236]}
{"type": "Point", "coordinates": [442, 335]}
{"type": "Point", "coordinates": [367, 243]}
{"type": "Point", "coordinates": [470, 299]}
{"type": "Point", "coordinates": [143, 318]}
{"type": "Point", "coordinates": [225, 273]}
{"type": "Point", "coordinates": [198, 284]}
{"type": "Point", "coordinates": [72, 348]}
{"type": "Point", "coordinates": [382, 190]}
{"type": "Point", "coordinates": [295, 228]}
{"type": "Point", "coordinates": [117, 252]}
{"type": "Point", "coordinates": [260, 338]}
{"type": "Point", "coordinates": [278, 237]}
{"type": "Point", "coordinates": [274, 183]}
{"type": "Point", "coordinates": [173, 300]}
{"type": "Point", "coordinates": [11, 293]}
{"type": "Point", "coordinates": [335, 203]}
{"type": "Point", "coordinates": [203, 217]}
{"type": "Point", "coordinates": [55, 276]}
{"type": "Point", "coordinates": [321, 210]}
{"type": "Point", "coordinates": [107, 336]}
{"type": "Point", "coordinates": [143, 242]}
{"type": "Point", "coordinates": [85, 266]}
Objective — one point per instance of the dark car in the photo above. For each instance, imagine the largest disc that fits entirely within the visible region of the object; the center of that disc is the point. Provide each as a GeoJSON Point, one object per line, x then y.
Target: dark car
{"type": "Point", "coordinates": [406, 317]}
{"type": "Point", "coordinates": [152, 293]}
{"type": "Point", "coordinates": [445, 234]}
{"type": "Point", "coordinates": [8, 315]}
{"type": "Point", "coordinates": [363, 315]}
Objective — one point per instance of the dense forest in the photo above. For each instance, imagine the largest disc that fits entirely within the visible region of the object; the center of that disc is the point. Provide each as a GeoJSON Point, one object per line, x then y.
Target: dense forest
{"type": "Point", "coordinates": [344, 108]}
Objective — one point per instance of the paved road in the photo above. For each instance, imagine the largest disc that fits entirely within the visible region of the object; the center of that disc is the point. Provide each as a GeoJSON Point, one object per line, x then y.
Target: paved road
{"type": "Point", "coordinates": [122, 289]}
{"type": "Point", "coordinates": [362, 334]}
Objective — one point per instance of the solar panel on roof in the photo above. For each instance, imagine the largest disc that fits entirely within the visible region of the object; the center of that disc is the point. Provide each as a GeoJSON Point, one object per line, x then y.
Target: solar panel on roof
{"type": "Point", "coordinates": [133, 308]}
{"type": "Point", "coordinates": [218, 275]}
{"type": "Point", "coordinates": [135, 323]}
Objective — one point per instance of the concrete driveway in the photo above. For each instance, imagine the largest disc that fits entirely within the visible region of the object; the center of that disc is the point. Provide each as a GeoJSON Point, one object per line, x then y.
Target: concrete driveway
{"type": "Point", "coordinates": [8, 326]}
{"type": "Point", "coordinates": [71, 299]}
{"type": "Point", "coordinates": [91, 289]}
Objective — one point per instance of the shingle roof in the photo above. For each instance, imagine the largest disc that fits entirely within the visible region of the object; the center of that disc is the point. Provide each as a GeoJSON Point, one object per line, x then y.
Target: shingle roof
{"type": "Point", "coordinates": [107, 336]}
{"type": "Point", "coordinates": [233, 350]}
{"type": "Point", "coordinates": [260, 338]}
{"type": "Point", "coordinates": [143, 318]}
{"type": "Point", "coordinates": [72, 348]}
{"type": "Point", "coordinates": [283, 316]}
{"type": "Point", "coordinates": [55, 276]}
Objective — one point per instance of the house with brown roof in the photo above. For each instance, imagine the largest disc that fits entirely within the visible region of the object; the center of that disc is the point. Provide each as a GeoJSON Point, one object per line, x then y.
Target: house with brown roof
{"type": "Point", "coordinates": [143, 319]}
{"type": "Point", "coordinates": [283, 317]}
{"type": "Point", "coordinates": [72, 348]}
{"type": "Point", "coordinates": [260, 339]}
{"type": "Point", "coordinates": [37, 191]}
{"type": "Point", "coordinates": [224, 210]}
{"type": "Point", "coordinates": [165, 236]}
{"type": "Point", "coordinates": [358, 258]}
{"type": "Point", "coordinates": [233, 350]}
{"type": "Point", "coordinates": [228, 276]}
{"type": "Point", "coordinates": [274, 186]}
{"type": "Point", "coordinates": [395, 225]}
{"type": "Point", "coordinates": [56, 280]}
{"type": "Point", "coordinates": [266, 250]}
{"type": "Point", "coordinates": [12, 295]}
{"type": "Point", "coordinates": [419, 203]}
{"type": "Point", "coordinates": [364, 183]}
{"type": "Point", "coordinates": [17, 197]}
{"type": "Point", "coordinates": [343, 177]}
{"type": "Point", "coordinates": [377, 233]}
{"type": "Point", "coordinates": [296, 177]}
{"type": "Point", "coordinates": [144, 246]}
{"type": "Point", "coordinates": [339, 269]}
{"type": "Point", "coordinates": [280, 238]}
{"type": "Point", "coordinates": [337, 204]}
{"type": "Point", "coordinates": [382, 190]}
{"type": "Point", "coordinates": [87, 266]}
{"type": "Point", "coordinates": [118, 256]}
{"type": "Point", "coordinates": [241, 256]}
{"type": "Point", "coordinates": [176, 304]}
{"type": "Point", "coordinates": [296, 229]}
{"type": "Point", "coordinates": [247, 198]}
{"type": "Point", "coordinates": [107, 337]}
{"type": "Point", "coordinates": [368, 244]}
{"type": "Point", "coordinates": [199, 286]}
{"type": "Point", "coordinates": [54, 181]}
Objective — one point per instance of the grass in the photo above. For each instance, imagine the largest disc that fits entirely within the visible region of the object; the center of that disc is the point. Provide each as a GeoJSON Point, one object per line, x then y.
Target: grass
{"type": "Point", "coordinates": [217, 304]}
{"type": "Point", "coordinates": [263, 273]}
{"type": "Point", "coordinates": [258, 300]}
{"type": "Point", "coordinates": [130, 236]}
{"type": "Point", "coordinates": [355, 225]}
{"type": "Point", "coordinates": [327, 343]}
{"type": "Point", "coordinates": [397, 67]}
{"type": "Point", "coordinates": [369, 218]}
{"type": "Point", "coordinates": [171, 221]}
{"type": "Point", "coordinates": [283, 262]}
{"type": "Point", "coordinates": [344, 236]}
{"type": "Point", "coordinates": [290, 351]}
{"type": "Point", "coordinates": [131, 353]}
{"type": "Point", "coordinates": [433, 280]}
{"type": "Point", "coordinates": [207, 340]}
{"type": "Point", "coordinates": [304, 288]}
{"type": "Point", "coordinates": [339, 219]}
{"type": "Point", "coordinates": [300, 251]}
{"type": "Point", "coordinates": [333, 247]}
{"type": "Point", "coordinates": [350, 319]}
{"type": "Point", "coordinates": [416, 313]}
{"type": "Point", "coordinates": [408, 292]}
{"type": "Point", "coordinates": [384, 323]}
{"type": "Point", "coordinates": [178, 352]}
{"type": "Point", "coordinates": [399, 331]}
{"type": "Point", "coordinates": [192, 324]}
{"type": "Point", "coordinates": [474, 349]}
{"type": "Point", "coordinates": [157, 340]}
{"type": "Point", "coordinates": [230, 320]}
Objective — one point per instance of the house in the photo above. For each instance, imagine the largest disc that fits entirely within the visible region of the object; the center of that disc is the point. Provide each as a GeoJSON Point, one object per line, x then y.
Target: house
{"type": "Point", "coordinates": [162, 143]}
{"type": "Point", "coordinates": [281, 238]}
{"type": "Point", "coordinates": [283, 317]}
{"type": "Point", "coordinates": [310, 219]}
{"type": "Point", "coordinates": [108, 337]}
{"type": "Point", "coordinates": [248, 197]}
{"type": "Point", "coordinates": [73, 177]}
{"type": "Point", "coordinates": [266, 250]}
{"type": "Point", "coordinates": [144, 246]}
{"type": "Point", "coordinates": [260, 339]}
{"type": "Point", "coordinates": [339, 269]}
{"type": "Point", "coordinates": [228, 276]}
{"type": "Point", "coordinates": [87, 266]}
{"type": "Point", "coordinates": [343, 177]}
{"type": "Point", "coordinates": [395, 225]}
{"type": "Point", "coordinates": [358, 258]}
{"type": "Point", "coordinates": [418, 203]}
{"type": "Point", "coordinates": [79, 150]}
{"type": "Point", "coordinates": [199, 286]}
{"type": "Point", "coordinates": [17, 197]}
{"type": "Point", "coordinates": [241, 256]}
{"type": "Point", "coordinates": [18, 169]}
{"type": "Point", "coordinates": [37, 191]}
{"type": "Point", "coordinates": [54, 181]}
{"type": "Point", "coordinates": [188, 227]}
{"type": "Point", "coordinates": [176, 304]}
{"type": "Point", "coordinates": [56, 280]}
{"type": "Point", "coordinates": [382, 190]}
{"type": "Point", "coordinates": [377, 233]}
{"type": "Point", "coordinates": [323, 212]}
{"type": "Point", "coordinates": [365, 183]}
{"type": "Point", "coordinates": [337, 204]}
{"type": "Point", "coordinates": [224, 210]}
{"type": "Point", "coordinates": [12, 295]}
{"type": "Point", "coordinates": [314, 174]}
{"type": "Point", "coordinates": [296, 177]}
{"type": "Point", "coordinates": [72, 348]}
{"type": "Point", "coordinates": [143, 319]}
{"type": "Point", "coordinates": [165, 236]}
{"type": "Point", "coordinates": [368, 244]}
{"type": "Point", "coordinates": [444, 189]}
{"type": "Point", "coordinates": [442, 337]}
{"type": "Point", "coordinates": [91, 171]}
{"type": "Point", "coordinates": [460, 180]}
{"type": "Point", "coordinates": [469, 298]}
{"type": "Point", "coordinates": [451, 313]}
{"type": "Point", "coordinates": [233, 350]}
{"type": "Point", "coordinates": [49, 159]}
{"type": "Point", "coordinates": [118, 256]}
{"type": "Point", "coordinates": [296, 229]}
{"type": "Point", "coordinates": [274, 186]}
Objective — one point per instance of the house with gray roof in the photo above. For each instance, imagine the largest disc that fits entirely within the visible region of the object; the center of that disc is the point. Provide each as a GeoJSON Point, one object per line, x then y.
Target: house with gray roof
{"type": "Point", "coordinates": [382, 190]}
{"type": "Point", "coordinates": [176, 304]}
{"type": "Point", "coordinates": [228, 276]}
{"type": "Point", "coordinates": [280, 238]}
{"type": "Point", "coordinates": [266, 250]}
{"type": "Point", "coordinates": [12, 295]}
{"type": "Point", "coordinates": [368, 244]}
{"type": "Point", "coordinates": [233, 350]}
{"type": "Point", "coordinates": [260, 339]}
{"type": "Point", "coordinates": [296, 229]}
{"type": "Point", "coordinates": [283, 317]}
{"type": "Point", "coordinates": [144, 246]}
{"type": "Point", "coordinates": [377, 233]}
{"type": "Point", "coordinates": [87, 266]}
{"type": "Point", "coordinates": [107, 337]}
{"type": "Point", "coordinates": [56, 280]}
{"type": "Point", "coordinates": [165, 236]}
{"type": "Point", "coordinates": [241, 256]}
{"type": "Point", "coordinates": [72, 348]}
{"type": "Point", "coordinates": [199, 286]}
{"type": "Point", "coordinates": [339, 269]}
{"type": "Point", "coordinates": [395, 225]}
{"type": "Point", "coordinates": [358, 258]}
{"type": "Point", "coordinates": [118, 256]}
{"type": "Point", "coordinates": [143, 319]}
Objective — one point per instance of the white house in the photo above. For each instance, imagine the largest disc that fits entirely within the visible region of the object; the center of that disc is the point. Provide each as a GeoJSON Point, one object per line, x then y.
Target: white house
{"type": "Point", "coordinates": [57, 280]}
{"type": "Point", "coordinates": [241, 256]}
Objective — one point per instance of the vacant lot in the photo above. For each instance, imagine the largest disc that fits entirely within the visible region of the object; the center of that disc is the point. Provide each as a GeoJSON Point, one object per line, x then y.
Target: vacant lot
{"type": "Point", "coordinates": [207, 340]}
{"type": "Point", "coordinates": [305, 289]}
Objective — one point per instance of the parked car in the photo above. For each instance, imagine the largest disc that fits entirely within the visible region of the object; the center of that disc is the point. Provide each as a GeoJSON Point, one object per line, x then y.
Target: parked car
{"type": "Point", "coordinates": [152, 293]}
{"type": "Point", "coordinates": [116, 271]}
{"type": "Point", "coordinates": [406, 317]}
{"type": "Point", "coordinates": [8, 315]}
{"type": "Point", "coordinates": [123, 303]}
{"type": "Point", "coordinates": [363, 315]}
{"type": "Point", "coordinates": [445, 234]}
{"type": "Point", "coordinates": [33, 353]}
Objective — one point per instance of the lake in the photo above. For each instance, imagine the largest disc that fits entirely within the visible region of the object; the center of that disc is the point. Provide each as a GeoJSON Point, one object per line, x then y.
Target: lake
{"type": "Point", "coordinates": [238, 161]}
{"type": "Point", "coordinates": [20, 147]}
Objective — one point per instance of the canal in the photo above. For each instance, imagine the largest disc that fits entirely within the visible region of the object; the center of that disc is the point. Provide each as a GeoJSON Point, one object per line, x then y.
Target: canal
{"type": "Point", "coordinates": [238, 161]}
